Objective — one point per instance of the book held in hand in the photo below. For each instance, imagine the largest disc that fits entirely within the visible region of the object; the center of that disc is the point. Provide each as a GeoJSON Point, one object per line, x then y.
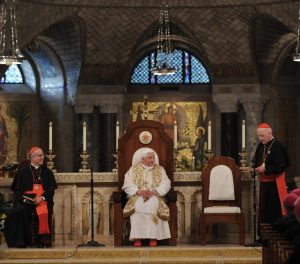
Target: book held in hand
{"type": "Point", "coordinates": [29, 198]}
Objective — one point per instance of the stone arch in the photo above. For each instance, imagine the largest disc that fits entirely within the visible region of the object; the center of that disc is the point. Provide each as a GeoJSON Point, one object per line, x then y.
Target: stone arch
{"type": "Point", "coordinates": [268, 36]}
{"type": "Point", "coordinates": [62, 45]}
{"type": "Point", "coordinates": [56, 57]}
{"type": "Point", "coordinates": [181, 37]}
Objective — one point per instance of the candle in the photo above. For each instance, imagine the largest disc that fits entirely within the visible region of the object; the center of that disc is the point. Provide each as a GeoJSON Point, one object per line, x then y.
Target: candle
{"type": "Point", "coordinates": [193, 163]}
{"type": "Point", "coordinates": [209, 136]}
{"type": "Point", "coordinates": [117, 134]}
{"type": "Point", "coordinates": [243, 135]}
{"type": "Point", "coordinates": [84, 137]}
{"type": "Point", "coordinates": [50, 136]}
{"type": "Point", "coordinates": [175, 135]}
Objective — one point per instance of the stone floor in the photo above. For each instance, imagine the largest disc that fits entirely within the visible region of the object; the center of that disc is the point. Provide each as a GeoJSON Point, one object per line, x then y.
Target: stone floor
{"type": "Point", "coordinates": [129, 255]}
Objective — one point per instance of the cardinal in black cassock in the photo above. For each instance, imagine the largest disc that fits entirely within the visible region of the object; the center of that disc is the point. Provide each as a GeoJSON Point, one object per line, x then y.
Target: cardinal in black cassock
{"type": "Point", "coordinates": [270, 162]}
{"type": "Point", "coordinates": [29, 224]}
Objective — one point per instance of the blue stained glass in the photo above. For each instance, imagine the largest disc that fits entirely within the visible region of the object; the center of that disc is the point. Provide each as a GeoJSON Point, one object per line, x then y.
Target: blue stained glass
{"type": "Point", "coordinates": [152, 76]}
{"type": "Point", "coordinates": [141, 72]}
{"type": "Point", "coordinates": [13, 75]}
{"type": "Point", "coordinates": [175, 60]}
{"type": "Point", "coordinates": [189, 69]}
{"type": "Point", "coordinates": [198, 72]}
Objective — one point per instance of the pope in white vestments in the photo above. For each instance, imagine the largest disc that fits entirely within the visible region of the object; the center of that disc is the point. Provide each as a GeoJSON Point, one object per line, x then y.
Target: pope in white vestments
{"type": "Point", "coordinates": [145, 184]}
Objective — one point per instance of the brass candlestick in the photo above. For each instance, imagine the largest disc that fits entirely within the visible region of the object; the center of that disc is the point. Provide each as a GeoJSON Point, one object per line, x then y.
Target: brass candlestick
{"type": "Point", "coordinates": [116, 156]}
{"type": "Point", "coordinates": [209, 154]}
{"type": "Point", "coordinates": [50, 162]}
{"type": "Point", "coordinates": [84, 163]}
{"type": "Point", "coordinates": [243, 155]}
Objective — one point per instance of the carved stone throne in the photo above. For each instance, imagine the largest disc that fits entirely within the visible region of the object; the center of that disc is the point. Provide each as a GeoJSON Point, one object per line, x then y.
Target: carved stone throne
{"type": "Point", "coordinates": [139, 134]}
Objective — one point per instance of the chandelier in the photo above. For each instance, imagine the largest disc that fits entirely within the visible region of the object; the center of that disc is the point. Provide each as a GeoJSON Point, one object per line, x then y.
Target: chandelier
{"type": "Point", "coordinates": [296, 56]}
{"type": "Point", "coordinates": [9, 49]}
{"type": "Point", "coordinates": [164, 46]}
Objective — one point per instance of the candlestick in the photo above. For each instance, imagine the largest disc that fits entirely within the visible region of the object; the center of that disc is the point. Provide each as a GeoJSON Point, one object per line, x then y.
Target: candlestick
{"type": "Point", "coordinates": [50, 162]}
{"type": "Point", "coordinates": [50, 136]}
{"type": "Point", "coordinates": [209, 136]}
{"type": "Point", "coordinates": [175, 135]}
{"type": "Point", "coordinates": [243, 135]}
{"type": "Point", "coordinates": [84, 136]}
{"type": "Point", "coordinates": [84, 162]}
{"type": "Point", "coordinates": [116, 167]}
{"type": "Point", "coordinates": [117, 135]}
{"type": "Point", "coordinates": [243, 160]}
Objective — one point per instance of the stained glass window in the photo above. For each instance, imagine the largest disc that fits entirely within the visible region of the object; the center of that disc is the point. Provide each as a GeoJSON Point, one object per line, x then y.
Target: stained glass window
{"type": "Point", "coordinates": [12, 75]}
{"type": "Point", "coordinates": [190, 70]}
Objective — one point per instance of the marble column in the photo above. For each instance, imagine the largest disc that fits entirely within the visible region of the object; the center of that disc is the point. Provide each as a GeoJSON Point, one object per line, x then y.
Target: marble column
{"type": "Point", "coordinates": [96, 149]}
{"type": "Point", "coordinates": [228, 106]}
{"type": "Point", "coordinates": [253, 105]}
{"type": "Point", "coordinates": [187, 193]}
{"type": "Point", "coordinates": [107, 134]}
{"type": "Point", "coordinates": [105, 110]}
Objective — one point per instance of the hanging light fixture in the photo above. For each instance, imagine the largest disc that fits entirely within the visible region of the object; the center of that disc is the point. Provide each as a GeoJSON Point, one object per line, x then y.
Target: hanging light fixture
{"type": "Point", "coordinates": [296, 56]}
{"type": "Point", "coordinates": [164, 46]}
{"type": "Point", "coordinates": [9, 48]}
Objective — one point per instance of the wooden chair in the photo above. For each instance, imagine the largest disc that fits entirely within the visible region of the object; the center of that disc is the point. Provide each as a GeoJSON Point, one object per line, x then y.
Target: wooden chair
{"type": "Point", "coordinates": [143, 133]}
{"type": "Point", "coordinates": [221, 196]}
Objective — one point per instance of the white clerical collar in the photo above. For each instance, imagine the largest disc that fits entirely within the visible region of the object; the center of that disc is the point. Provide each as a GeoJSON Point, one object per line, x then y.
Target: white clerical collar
{"type": "Point", "coordinates": [36, 167]}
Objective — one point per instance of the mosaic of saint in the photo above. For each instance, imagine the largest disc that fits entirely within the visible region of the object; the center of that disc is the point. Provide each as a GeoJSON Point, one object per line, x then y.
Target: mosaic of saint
{"type": "Point", "coordinates": [191, 120]}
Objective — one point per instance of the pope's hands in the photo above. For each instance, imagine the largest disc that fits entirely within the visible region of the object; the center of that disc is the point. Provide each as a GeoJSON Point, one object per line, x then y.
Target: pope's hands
{"type": "Point", "coordinates": [147, 193]}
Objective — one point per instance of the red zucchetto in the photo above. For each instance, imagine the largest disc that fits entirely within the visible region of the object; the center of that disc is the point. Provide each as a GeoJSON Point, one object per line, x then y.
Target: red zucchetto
{"type": "Point", "coordinates": [289, 200]}
{"type": "Point", "coordinates": [296, 191]}
{"type": "Point", "coordinates": [33, 149]}
{"type": "Point", "coordinates": [264, 125]}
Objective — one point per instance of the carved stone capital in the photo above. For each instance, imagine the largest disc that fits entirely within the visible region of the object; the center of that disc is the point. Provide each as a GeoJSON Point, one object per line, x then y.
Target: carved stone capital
{"type": "Point", "coordinates": [84, 109]}
{"type": "Point", "coordinates": [252, 102]}
{"type": "Point", "coordinates": [108, 108]}
{"type": "Point", "coordinates": [227, 103]}
{"type": "Point", "coordinates": [107, 103]}
{"type": "Point", "coordinates": [187, 192]}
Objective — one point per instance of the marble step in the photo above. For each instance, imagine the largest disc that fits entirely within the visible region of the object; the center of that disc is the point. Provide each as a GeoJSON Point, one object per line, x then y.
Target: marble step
{"type": "Point", "coordinates": [129, 255]}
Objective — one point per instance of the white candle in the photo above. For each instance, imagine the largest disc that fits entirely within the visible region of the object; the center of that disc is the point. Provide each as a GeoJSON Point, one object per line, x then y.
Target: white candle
{"type": "Point", "coordinates": [243, 134]}
{"type": "Point", "coordinates": [117, 134]}
{"type": "Point", "coordinates": [175, 135]}
{"type": "Point", "coordinates": [50, 136]}
{"type": "Point", "coordinates": [209, 136]}
{"type": "Point", "coordinates": [193, 163]}
{"type": "Point", "coordinates": [84, 137]}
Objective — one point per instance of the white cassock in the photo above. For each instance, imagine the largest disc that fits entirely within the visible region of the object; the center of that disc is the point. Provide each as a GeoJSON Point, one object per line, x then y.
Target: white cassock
{"type": "Point", "coordinates": [142, 224]}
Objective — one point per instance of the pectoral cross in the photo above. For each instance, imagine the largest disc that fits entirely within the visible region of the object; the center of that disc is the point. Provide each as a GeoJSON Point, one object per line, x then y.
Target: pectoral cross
{"type": "Point", "coordinates": [145, 112]}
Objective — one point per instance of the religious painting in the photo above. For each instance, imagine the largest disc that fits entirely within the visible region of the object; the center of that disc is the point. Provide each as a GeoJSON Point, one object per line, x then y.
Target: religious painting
{"type": "Point", "coordinates": [13, 116]}
{"type": "Point", "coordinates": [191, 132]}
{"type": "Point", "coordinates": [8, 129]}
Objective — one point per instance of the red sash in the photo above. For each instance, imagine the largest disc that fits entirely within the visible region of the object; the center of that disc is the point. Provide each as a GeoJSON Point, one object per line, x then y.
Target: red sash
{"type": "Point", "coordinates": [41, 209]}
{"type": "Point", "coordinates": [281, 187]}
